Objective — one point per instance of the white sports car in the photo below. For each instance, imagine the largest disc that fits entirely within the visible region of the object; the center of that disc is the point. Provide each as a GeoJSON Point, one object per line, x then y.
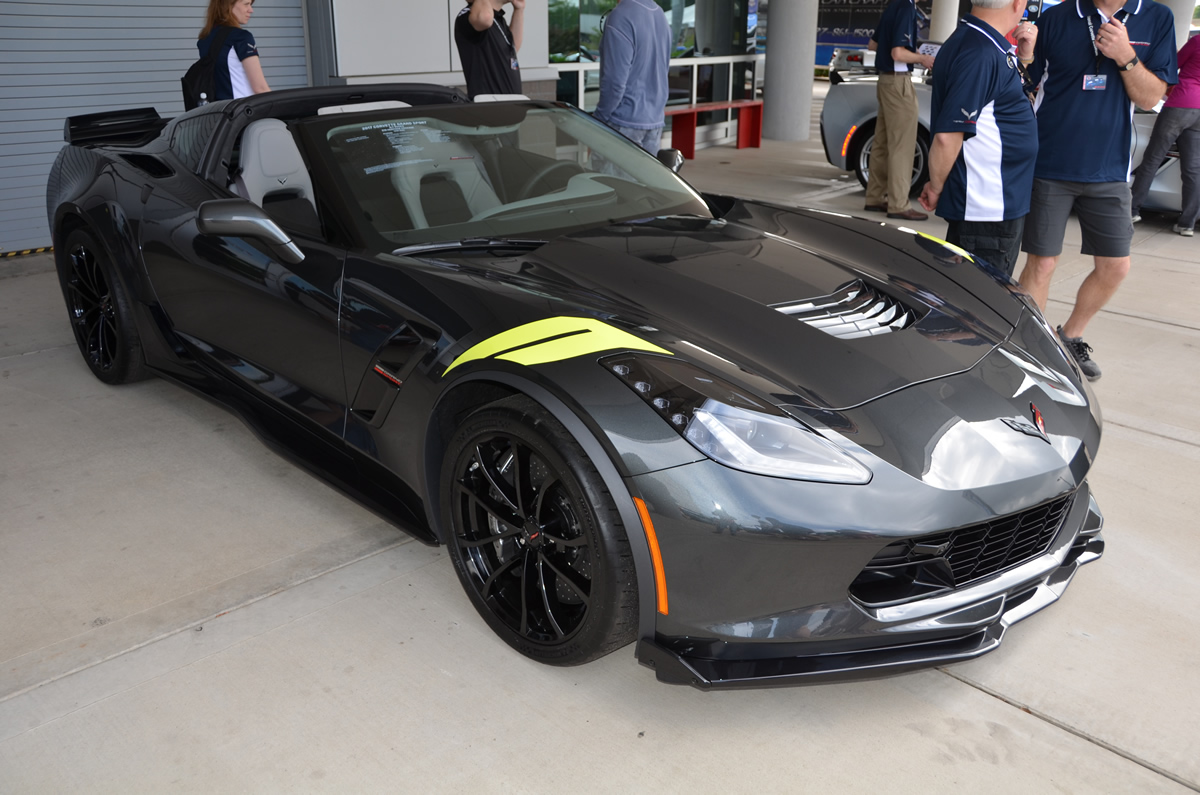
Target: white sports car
{"type": "Point", "coordinates": [848, 131]}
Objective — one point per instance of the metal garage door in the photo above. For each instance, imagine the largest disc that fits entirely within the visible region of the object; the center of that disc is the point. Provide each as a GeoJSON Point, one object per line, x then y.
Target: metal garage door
{"type": "Point", "coordinates": [70, 57]}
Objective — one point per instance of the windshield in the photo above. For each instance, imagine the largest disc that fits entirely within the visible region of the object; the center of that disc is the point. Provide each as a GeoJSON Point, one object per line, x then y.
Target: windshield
{"type": "Point", "coordinates": [525, 170]}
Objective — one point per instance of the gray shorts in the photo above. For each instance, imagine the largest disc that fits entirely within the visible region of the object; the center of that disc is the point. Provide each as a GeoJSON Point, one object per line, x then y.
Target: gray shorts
{"type": "Point", "coordinates": [1105, 217]}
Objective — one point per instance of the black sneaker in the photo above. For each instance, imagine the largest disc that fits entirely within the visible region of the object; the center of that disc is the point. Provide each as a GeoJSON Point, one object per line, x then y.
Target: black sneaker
{"type": "Point", "coordinates": [1082, 353]}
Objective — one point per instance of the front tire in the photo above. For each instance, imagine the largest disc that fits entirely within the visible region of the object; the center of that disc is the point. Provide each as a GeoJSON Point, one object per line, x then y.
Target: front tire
{"type": "Point", "coordinates": [860, 157]}
{"type": "Point", "coordinates": [535, 537]}
{"type": "Point", "coordinates": [99, 311]}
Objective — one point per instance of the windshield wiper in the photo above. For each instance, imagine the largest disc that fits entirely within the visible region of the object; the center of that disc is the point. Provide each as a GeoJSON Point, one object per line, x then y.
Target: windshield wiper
{"type": "Point", "coordinates": [468, 243]}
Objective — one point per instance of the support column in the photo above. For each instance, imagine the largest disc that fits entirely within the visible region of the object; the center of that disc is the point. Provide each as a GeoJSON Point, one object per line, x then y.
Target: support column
{"type": "Point", "coordinates": [943, 20]}
{"type": "Point", "coordinates": [1183, 10]}
{"type": "Point", "coordinates": [788, 84]}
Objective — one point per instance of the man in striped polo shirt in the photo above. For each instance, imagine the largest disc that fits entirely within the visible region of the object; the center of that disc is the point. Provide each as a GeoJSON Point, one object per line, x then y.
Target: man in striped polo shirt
{"type": "Point", "coordinates": [984, 134]}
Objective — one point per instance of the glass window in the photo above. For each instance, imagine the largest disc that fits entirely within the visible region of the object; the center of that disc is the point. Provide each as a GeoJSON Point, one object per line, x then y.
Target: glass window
{"type": "Point", "coordinates": [494, 170]}
{"type": "Point", "coordinates": [564, 30]}
{"type": "Point", "coordinates": [698, 27]}
{"type": "Point", "coordinates": [191, 136]}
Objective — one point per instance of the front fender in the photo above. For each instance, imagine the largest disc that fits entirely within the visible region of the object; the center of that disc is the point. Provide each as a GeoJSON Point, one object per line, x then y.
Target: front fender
{"type": "Point", "coordinates": [621, 436]}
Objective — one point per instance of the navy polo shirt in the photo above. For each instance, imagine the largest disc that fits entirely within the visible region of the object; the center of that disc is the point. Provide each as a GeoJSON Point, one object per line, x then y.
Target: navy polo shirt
{"type": "Point", "coordinates": [897, 28]}
{"type": "Point", "coordinates": [1084, 136]}
{"type": "Point", "coordinates": [241, 42]}
{"type": "Point", "coordinates": [977, 92]}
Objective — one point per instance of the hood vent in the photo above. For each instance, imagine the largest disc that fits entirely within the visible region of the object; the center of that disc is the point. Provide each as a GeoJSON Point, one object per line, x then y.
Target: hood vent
{"type": "Point", "coordinates": [854, 310]}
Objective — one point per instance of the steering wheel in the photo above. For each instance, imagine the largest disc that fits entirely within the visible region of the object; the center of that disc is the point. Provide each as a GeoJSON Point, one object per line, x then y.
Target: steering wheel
{"type": "Point", "coordinates": [542, 173]}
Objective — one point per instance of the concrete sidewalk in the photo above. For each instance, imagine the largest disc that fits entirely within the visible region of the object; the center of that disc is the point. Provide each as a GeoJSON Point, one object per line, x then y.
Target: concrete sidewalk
{"type": "Point", "coordinates": [187, 612]}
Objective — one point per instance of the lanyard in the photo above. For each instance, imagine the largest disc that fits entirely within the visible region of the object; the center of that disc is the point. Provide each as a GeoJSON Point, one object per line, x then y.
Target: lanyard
{"type": "Point", "coordinates": [1092, 33]}
{"type": "Point", "coordinates": [503, 35]}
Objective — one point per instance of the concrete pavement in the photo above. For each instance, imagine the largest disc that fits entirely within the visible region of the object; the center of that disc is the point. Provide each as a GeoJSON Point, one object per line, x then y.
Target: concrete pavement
{"type": "Point", "coordinates": [187, 612]}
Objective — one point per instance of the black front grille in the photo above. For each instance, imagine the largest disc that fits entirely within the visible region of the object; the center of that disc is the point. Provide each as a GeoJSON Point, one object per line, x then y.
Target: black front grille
{"type": "Point", "coordinates": [982, 550]}
{"type": "Point", "coordinates": [918, 567]}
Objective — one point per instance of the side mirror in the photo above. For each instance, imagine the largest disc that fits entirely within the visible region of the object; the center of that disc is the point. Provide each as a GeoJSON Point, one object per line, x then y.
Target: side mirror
{"type": "Point", "coordinates": [240, 218]}
{"type": "Point", "coordinates": [671, 158]}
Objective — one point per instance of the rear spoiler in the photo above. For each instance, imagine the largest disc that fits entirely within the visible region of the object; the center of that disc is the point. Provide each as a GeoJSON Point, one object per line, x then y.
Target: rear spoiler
{"type": "Point", "coordinates": [114, 127]}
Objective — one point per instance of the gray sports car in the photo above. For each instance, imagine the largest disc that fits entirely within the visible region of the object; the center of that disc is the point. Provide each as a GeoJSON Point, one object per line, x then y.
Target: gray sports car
{"type": "Point", "coordinates": [767, 445]}
{"type": "Point", "coordinates": [848, 131]}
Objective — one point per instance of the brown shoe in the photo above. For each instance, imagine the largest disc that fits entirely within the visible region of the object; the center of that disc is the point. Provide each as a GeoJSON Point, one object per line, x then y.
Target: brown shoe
{"type": "Point", "coordinates": [910, 215]}
{"type": "Point", "coordinates": [876, 208]}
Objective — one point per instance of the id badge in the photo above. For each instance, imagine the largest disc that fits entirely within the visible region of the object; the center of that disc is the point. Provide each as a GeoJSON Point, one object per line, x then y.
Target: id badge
{"type": "Point", "coordinates": [1095, 82]}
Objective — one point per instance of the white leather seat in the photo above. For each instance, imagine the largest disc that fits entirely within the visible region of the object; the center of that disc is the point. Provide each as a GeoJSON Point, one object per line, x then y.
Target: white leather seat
{"type": "Point", "coordinates": [273, 174]}
{"type": "Point", "coordinates": [441, 180]}
{"type": "Point", "coordinates": [271, 163]}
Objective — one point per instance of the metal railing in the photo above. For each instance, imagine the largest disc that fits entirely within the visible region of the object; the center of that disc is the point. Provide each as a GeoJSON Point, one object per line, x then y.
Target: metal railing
{"type": "Point", "coordinates": [722, 78]}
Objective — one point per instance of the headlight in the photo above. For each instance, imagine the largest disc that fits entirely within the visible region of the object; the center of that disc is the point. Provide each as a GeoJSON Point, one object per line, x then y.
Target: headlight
{"type": "Point", "coordinates": [732, 427]}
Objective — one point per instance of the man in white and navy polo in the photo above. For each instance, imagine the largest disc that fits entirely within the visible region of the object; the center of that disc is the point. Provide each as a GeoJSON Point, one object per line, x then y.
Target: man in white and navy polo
{"type": "Point", "coordinates": [984, 134]}
{"type": "Point", "coordinates": [1092, 63]}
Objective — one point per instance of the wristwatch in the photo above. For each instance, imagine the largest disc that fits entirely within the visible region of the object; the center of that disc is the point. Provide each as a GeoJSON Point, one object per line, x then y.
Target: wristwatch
{"type": "Point", "coordinates": [1129, 65]}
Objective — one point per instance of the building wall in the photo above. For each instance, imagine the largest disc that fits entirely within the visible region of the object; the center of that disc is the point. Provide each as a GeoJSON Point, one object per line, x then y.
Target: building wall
{"type": "Point", "coordinates": [73, 57]}
{"type": "Point", "coordinates": [377, 41]}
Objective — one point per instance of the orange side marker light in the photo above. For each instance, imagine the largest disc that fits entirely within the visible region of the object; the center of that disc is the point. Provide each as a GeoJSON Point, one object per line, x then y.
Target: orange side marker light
{"type": "Point", "coordinates": [660, 577]}
{"type": "Point", "coordinates": [846, 143]}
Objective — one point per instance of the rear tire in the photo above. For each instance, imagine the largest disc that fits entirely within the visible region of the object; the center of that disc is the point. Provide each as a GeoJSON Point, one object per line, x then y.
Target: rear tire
{"type": "Point", "coordinates": [860, 157]}
{"type": "Point", "coordinates": [99, 311]}
{"type": "Point", "coordinates": [535, 537]}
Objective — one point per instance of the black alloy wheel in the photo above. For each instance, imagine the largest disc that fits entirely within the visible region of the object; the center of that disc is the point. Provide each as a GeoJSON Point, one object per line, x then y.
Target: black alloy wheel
{"type": "Point", "coordinates": [535, 537]}
{"type": "Point", "coordinates": [99, 311]}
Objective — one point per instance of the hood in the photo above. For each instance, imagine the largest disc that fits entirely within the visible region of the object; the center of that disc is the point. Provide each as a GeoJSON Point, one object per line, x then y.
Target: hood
{"type": "Point", "coordinates": [838, 310]}
{"type": "Point", "coordinates": [1014, 431]}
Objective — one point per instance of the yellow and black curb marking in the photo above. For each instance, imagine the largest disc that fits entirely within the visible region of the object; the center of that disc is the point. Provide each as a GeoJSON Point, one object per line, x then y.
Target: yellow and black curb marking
{"type": "Point", "coordinates": [23, 252]}
{"type": "Point", "coordinates": [552, 340]}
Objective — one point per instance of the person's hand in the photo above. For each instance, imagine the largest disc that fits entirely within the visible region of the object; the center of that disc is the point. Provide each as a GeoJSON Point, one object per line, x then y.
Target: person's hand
{"type": "Point", "coordinates": [517, 4]}
{"type": "Point", "coordinates": [927, 61]}
{"type": "Point", "coordinates": [1113, 42]}
{"type": "Point", "coordinates": [1026, 37]}
{"type": "Point", "coordinates": [929, 197]}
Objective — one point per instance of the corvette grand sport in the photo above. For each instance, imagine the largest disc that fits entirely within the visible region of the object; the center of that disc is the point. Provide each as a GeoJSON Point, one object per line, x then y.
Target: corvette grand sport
{"type": "Point", "coordinates": [766, 445]}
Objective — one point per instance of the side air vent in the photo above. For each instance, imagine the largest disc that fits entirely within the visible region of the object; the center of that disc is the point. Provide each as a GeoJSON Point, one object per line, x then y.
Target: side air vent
{"type": "Point", "coordinates": [393, 363]}
{"type": "Point", "coordinates": [148, 164]}
{"type": "Point", "coordinates": [854, 310]}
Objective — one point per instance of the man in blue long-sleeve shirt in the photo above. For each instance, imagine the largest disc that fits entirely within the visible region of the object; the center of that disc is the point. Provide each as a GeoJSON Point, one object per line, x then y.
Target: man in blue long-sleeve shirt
{"type": "Point", "coordinates": [634, 53]}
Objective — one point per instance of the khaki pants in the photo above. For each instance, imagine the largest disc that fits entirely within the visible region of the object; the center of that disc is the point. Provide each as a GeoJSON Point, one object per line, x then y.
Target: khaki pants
{"type": "Point", "coordinates": [891, 161]}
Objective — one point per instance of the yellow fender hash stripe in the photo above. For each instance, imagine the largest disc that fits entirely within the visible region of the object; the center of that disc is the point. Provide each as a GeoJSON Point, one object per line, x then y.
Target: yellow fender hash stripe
{"type": "Point", "coordinates": [552, 340]}
{"type": "Point", "coordinates": [962, 252]}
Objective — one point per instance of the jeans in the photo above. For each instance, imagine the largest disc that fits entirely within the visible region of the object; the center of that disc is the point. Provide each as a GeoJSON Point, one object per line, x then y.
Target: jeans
{"type": "Point", "coordinates": [650, 140]}
{"type": "Point", "coordinates": [1182, 124]}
